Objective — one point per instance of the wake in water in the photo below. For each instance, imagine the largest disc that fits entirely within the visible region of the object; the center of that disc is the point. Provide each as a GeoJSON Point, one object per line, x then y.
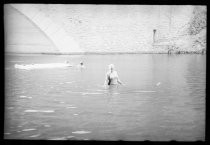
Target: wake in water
{"type": "Point", "coordinates": [43, 111]}
{"type": "Point", "coordinates": [42, 66]}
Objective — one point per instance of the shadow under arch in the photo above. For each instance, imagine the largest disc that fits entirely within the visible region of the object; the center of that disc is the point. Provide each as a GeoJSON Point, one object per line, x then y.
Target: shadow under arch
{"type": "Point", "coordinates": [64, 42]}
{"type": "Point", "coordinates": [9, 9]}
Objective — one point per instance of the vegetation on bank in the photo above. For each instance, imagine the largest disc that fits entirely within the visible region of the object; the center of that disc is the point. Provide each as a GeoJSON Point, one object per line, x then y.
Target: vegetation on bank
{"type": "Point", "coordinates": [193, 38]}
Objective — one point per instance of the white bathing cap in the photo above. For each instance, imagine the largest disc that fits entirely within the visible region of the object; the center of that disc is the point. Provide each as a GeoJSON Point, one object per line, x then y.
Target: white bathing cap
{"type": "Point", "coordinates": [111, 66]}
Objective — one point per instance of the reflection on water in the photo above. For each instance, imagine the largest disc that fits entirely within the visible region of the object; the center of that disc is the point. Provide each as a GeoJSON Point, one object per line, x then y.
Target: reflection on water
{"type": "Point", "coordinates": [163, 98]}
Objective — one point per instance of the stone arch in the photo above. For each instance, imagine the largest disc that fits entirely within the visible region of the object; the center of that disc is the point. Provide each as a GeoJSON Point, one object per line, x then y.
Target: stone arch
{"type": "Point", "coordinates": [23, 36]}
{"type": "Point", "coordinates": [63, 42]}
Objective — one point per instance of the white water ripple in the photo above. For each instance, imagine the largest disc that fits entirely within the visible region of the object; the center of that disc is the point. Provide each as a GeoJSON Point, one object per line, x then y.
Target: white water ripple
{"type": "Point", "coordinates": [81, 132]}
{"type": "Point", "coordinates": [36, 135]}
{"type": "Point", "coordinates": [44, 111]}
{"type": "Point", "coordinates": [30, 129]}
{"type": "Point", "coordinates": [58, 138]}
{"type": "Point", "coordinates": [25, 97]}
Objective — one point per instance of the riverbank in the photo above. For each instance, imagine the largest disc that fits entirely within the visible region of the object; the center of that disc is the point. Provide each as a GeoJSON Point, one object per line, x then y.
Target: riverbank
{"type": "Point", "coordinates": [118, 53]}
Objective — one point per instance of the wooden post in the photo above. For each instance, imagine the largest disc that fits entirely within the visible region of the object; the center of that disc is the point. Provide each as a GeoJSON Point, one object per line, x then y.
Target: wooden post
{"type": "Point", "coordinates": [154, 32]}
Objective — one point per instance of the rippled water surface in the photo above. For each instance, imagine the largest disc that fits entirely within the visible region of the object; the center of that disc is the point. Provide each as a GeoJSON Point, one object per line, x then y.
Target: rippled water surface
{"type": "Point", "coordinates": [163, 98]}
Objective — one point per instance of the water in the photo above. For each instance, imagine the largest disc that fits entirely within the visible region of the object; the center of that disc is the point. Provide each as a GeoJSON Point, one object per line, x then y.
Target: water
{"type": "Point", "coordinates": [163, 98]}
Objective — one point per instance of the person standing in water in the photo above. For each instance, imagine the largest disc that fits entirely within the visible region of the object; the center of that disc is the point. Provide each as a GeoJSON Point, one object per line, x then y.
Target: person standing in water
{"type": "Point", "coordinates": [81, 65]}
{"type": "Point", "coordinates": [112, 77]}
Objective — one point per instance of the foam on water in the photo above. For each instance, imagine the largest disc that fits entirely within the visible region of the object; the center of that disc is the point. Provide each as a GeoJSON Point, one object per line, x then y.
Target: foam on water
{"type": "Point", "coordinates": [81, 132]}
{"type": "Point", "coordinates": [61, 138]}
{"type": "Point", "coordinates": [31, 111]}
{"type": "Point", "coordinates": [42, 66]}
{"type": "Point", "coordinates": [45, 111]}
{"type": "Point", "coordinates": [30, 129]}
{"type": "Point", "coordinates": [70, 105]}
{"type": "Point", "coordinates": [36, 135]}
{"type": "Point", "coordinates": [69, 136]}
{"type": "Point", "coordinates": [101, 90]}
{"type": "Point", "coordinates": [23, 97]}
{"type": "Point", "coordinates": [58, 138]}
{"type": "Point", "coordinates": [158, 83]}
{"type": "Point", "coordinates": [47, 125]}
{"type": "Point", "coordinates": [69, 82]}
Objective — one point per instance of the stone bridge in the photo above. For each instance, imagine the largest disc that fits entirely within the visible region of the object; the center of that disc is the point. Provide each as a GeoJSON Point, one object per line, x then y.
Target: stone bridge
{"type": "Point", "coordinates": [62, 41]}
{"type": "Point", "coordinates": [96, 28]}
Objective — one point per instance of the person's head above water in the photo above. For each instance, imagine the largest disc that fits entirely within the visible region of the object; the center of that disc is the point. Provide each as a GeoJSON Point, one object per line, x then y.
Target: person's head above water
{"type": "Point", "coordinates": [81, 63]}
{"type": "Point", "coordinates": [111, 67]}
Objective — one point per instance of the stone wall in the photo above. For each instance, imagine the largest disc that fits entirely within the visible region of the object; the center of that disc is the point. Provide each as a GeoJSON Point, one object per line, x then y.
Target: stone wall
{"type": "Point", "coordinates": [122, 28]}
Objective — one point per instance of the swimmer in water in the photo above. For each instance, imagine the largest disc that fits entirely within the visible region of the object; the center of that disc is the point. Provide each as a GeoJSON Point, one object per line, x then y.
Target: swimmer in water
{"type": "Point", "coordinates": [112, 77]}
{"type": "Point", "coordinates": [67, 62]}
{"type": "Point", "coordinates": [81, 65]}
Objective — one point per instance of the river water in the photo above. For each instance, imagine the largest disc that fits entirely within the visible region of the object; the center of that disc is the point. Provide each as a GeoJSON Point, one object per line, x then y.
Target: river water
{"type": "Point", "coordinates": [163, 98]}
